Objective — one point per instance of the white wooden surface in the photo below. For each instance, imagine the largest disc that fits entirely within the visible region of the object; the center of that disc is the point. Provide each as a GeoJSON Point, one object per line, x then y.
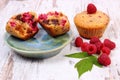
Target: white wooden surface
{"type": "Point", "coordinates": [15, 67]}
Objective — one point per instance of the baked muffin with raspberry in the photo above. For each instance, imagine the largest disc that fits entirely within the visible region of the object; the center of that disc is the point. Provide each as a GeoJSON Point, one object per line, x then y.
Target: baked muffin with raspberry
{"type": "Point", "coordinates": [92, 22]}
{"type": "Point", "coordinates": [23, 26]}
{"type": "Point", "coordinates": [55, 23]}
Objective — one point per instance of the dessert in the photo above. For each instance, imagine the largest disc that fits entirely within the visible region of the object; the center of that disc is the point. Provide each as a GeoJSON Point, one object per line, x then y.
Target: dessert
{"type": "Point", "coordinates": [55, 23]}
{"type": "Point", "coordinates": [91, 22]}
{"type": "Point", "coordinates": [23, 26]}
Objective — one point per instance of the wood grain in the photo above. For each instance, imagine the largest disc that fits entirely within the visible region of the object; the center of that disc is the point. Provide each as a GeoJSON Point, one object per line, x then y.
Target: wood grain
{"type": "Point", "coordinates": [16, 67]}
{"type": "Point", "coordinates": [7, 68]}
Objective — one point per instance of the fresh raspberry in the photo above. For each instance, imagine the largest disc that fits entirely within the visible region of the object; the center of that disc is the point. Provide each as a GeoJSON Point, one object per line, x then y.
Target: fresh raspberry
{"type": "Point", "coordinates": [91, 49]}
{"type": "Point", "coordinates": [99, 46]}
{"type": "Point", "coordinates": [91, 8]}
{"type": "Point", "coordinates": [94, 40]}
{"type": "Point", "coordinates": [110, 44]}
{"type": "Point", "coordinates": [78, 42]}
{"type": "Point", "coordinates": [106, 50]}
{"type": "Point", "coordinates": [104, 59]}
{"type": "Point", "coordinates": [83, 46]}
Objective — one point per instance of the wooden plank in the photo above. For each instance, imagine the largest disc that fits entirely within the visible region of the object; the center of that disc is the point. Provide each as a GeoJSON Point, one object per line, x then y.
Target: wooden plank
{"type": "Point", "coordinates": [15, 67]}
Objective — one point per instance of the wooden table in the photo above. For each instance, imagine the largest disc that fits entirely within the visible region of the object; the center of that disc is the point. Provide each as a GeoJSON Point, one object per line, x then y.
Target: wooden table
{"type": "Point", "coordinates": [16, 67]}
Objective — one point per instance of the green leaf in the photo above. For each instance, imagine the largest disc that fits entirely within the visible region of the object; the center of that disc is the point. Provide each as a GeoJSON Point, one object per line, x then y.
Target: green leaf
{"type": "Point", "coordinates": [95, 61]}
{"type": "Point", "coordinates": [78, 55]}
{"type": "Point", "coordinates": [83, 66]}
{"type": "Point", "coordinates": [86, 63]}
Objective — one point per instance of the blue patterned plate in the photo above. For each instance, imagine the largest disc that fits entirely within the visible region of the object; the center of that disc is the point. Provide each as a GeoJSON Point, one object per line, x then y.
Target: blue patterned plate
{"type": "Point", "coordinates": [40, 46]}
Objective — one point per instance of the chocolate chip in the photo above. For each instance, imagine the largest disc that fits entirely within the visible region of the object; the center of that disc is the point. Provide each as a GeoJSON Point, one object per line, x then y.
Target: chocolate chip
{"type": "Point", "coordinates": [34, 24]}
{"type": "Point", "coordinates": [55, 21]}
{"type": "Point", "coordinates": [46, 21]}
{"type": "Point", "coordinates": [99, 16]}
{"type": "Point", "coordinates": [18, 17]}
{"type": "Point", "coordinates": [52, 21]}
{"type": "Point", "coordinates": [32, 17]}
{"type": "Point", "coordinates": [90, 21]}
{"type": "Point", "coordinates": [29, 31]}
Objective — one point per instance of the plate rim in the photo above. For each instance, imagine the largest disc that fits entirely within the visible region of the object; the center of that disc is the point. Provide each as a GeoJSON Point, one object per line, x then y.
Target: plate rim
{"type": "Point", "coordinates": [36, 52]}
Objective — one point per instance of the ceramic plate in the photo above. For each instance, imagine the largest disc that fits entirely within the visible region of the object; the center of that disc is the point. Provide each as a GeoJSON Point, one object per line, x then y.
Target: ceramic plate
{"type": "Point", "coordinates": [41, 45]}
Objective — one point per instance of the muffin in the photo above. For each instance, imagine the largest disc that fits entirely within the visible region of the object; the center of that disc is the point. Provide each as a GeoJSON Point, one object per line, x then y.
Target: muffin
{"type": "Point", "coordinates": [91, 23]}
{"type": "Point", "coordinates": [55, 23]}
{"type": "Point", "coordinates": [23, 26]}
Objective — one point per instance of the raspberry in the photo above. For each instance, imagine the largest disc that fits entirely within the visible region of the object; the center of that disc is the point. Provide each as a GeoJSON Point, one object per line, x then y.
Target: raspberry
{"type": "Point", "coordinates": [84, 45]}
{"type": "Point", "coordinates": [26, 16]}
{"type": "Point", "coordinates": [94, 40]}
{"type": "Point", "coordinates": [91, 8]}
{"type": "Point", "coordinates": [42, 17]}
{"type": "Point", "coordinates": [108, 43]}
{"type": "Point", "coordinates": [50, 13]}
{"type": "Point", "coordinates": [63, 21]}
{"type": "Point", "coordinates": [91, 49]}
{"type": "Point", "coordinates": [99, 46]}
{"type": "Point", "coordinates": [104, 59]}
{"type": "Point", "coordinates": [106, 50]}
{"type": "Point", "coordinates": [53, 13]}
{"type": "Point", "coordinates": [56, 13]}
{"type": "Point", "coordinates": [12, 23]}
{"type": "Point", "coordinates": [78, 42]}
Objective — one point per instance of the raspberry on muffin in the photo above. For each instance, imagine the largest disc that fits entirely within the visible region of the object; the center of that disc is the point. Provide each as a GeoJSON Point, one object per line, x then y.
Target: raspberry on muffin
{"type": "Point", "coordinates": [55, 23]}
{"type": "Point", "coordinates": [23, 26]}
{"type": "Point", "coordinates": [91, 22]}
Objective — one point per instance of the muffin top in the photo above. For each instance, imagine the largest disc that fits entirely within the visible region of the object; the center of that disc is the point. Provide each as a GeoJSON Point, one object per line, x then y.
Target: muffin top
{"type": "Point", "coordinates": [27, 19]}
{"type": "Point", "coordinates": [54, 19]}
{"type": "Point", "coordinates": [95, 20]}
{"type": "Point", "coordinates": [23, 26]}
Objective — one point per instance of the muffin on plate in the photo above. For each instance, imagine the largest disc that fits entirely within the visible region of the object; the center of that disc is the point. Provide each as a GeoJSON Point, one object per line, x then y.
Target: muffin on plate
{"type": "Point", "coordinates": [55, 23]}
{"type": "Point", "coordinates": [23, 26]}
{"type": "Point", "coordinates": [91, 22]}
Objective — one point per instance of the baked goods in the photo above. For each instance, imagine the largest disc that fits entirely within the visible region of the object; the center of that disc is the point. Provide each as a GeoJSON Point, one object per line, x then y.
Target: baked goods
{"type": "Point", "coordinates": [91, 23]}
{"type": "Point", "coordinates": [55, 23]}
{"type": "Point", "coordinates": [23, 26]}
